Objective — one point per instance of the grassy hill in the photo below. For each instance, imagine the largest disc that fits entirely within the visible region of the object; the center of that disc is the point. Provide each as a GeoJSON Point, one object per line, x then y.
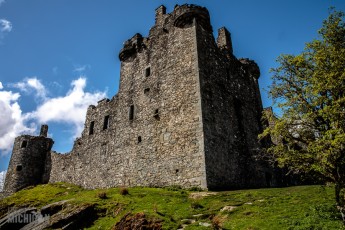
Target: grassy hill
{"type": "Point", "coordinates": [302, 207]}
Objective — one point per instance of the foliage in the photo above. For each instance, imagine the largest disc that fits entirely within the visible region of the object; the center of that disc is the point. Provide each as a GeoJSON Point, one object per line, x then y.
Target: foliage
{"type": "Point", "coordinates": [124, 191]}
{"type": "Point", "coordinates": [310, 89]}
{"type": "Point", "coordinates": [102, 195]}
{"type": "Point", "coordinates": [302, 207]}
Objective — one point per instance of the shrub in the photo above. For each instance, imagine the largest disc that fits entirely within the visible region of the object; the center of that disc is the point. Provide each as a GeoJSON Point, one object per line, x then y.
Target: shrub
{"type": "Point", "coordinates": [196, 205]}
{"type": "Point", "coordinates": [217, 222]}
{"type": "Point", "coordinates": [124, 191]}
{"type": "Point", "coordinates": [102, 195]}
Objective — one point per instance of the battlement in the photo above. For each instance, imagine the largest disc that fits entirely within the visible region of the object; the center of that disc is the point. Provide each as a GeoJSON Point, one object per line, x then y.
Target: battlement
{"type": "Point", "coordinates": [131, 47]}
{"type": "Point", "coordinates": [185, 14]}
{"type": "Point", "coordinates": [182, 16]}
{"type": "Point", "coordinates": [251, 67]}
{"type": "Point", "coordinates": [224, 42]}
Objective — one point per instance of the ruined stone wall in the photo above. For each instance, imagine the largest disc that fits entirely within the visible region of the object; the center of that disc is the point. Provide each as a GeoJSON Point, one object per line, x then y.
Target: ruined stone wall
{"type": "Point", "coordinates": [159, 142]}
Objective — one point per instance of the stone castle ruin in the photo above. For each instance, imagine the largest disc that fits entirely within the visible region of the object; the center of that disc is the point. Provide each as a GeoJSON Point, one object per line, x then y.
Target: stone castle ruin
{"type": "Point", "coordinates": [187, 113]}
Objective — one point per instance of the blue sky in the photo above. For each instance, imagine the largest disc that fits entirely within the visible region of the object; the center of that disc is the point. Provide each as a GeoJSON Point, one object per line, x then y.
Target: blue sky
{"type": "Point", "coordinates": [58, 56]}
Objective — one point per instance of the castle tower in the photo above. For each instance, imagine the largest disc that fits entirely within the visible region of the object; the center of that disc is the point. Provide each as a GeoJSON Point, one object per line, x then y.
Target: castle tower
{"type": "Point", "coordinates": [27, 164]}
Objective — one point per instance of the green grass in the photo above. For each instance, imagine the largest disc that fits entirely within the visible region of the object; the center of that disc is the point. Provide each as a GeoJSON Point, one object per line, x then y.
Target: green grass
{"type": "Point", "coordinates": [302, 207]}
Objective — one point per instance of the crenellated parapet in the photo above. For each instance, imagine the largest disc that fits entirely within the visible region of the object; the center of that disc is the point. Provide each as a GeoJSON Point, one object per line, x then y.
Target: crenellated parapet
{"type": "Point", "coordinates": [185, 14]}
{"type": "Point", "coordinates": [182, 17]}
{"type": "Point", "coordinates": [131, 47]}
{"type": "Point", "coordinates": [224, 42]}
{"type": "Point", "coordinates": [250, 67]}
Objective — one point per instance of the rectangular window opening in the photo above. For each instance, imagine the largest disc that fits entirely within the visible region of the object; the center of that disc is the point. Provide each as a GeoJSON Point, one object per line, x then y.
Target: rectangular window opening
{"type": "Point", "coordinates": [106, 122]}
{"type": "Point", "coordinates": [238, 113]}
{"type": "Point", "coordinates": [156, 114]}
{"type": "Point", "coordinates": [92, 125]}
{"type": "Point", "coordinates": [24, 144]}
{"type": "Point", "coordinates": [19, 168]}
{"type": "Point", "coordinates": [131, 112]}
{"type": "Point", "coordinates": [147, 72]}
{"type": "Point", "coordinates": [146, 91]}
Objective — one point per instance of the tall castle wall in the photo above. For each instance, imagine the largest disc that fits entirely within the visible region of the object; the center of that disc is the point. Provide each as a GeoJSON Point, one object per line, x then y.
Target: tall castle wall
{"type": "Point", "coordinates": [187, 113]}
{"type": "Point", "coordinates": [231, 108]}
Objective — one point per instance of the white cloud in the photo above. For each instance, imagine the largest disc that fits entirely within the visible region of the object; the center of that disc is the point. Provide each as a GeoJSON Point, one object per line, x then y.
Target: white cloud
{"type": "Point", "coordinates": [1, 86]}
{"type": "Point", "coordinates": [6, 26]}
{"type": "Point", "coordinates": [70, 108]}
{"type": "Point", "coordinates": [2, 180]}
{"type": "Point", "coordinates": [81, 68]}
{"type": "Point", "coordinates": [2, 2]}
{"type": "Point", "coordinates": [11, 120]}
{"type": "Point", "coordinates": [29, 84]}
{"type": "Point", "coordinates": [37, 85]}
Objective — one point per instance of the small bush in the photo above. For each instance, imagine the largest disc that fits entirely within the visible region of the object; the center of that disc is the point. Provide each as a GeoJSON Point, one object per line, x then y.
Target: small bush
{"type": "Point", "coordinates": [124, 191]}
{"type": "Point", "coordinates": [102, 195]}
{"type": "Point", "coordinates": [217, 222]}
{"type": "Point", "coordinates": [196, 205]}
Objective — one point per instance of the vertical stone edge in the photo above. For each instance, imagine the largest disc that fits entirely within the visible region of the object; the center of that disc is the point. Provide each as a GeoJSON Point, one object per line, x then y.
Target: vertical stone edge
{"type": "Point", "coordinates": [200, 131]}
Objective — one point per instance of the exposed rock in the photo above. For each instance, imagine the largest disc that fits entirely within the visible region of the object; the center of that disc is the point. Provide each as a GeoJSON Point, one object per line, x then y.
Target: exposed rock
{"type": "Point", "coordinates": [53, 208]}
{"type": "Point", "coordinates": [198, 195]}
{"type": "Point", "coordinates": [56, 215]}
{"type": "Point", "coordinates": [187, 221]}
{"type": "Point", "coordinates": [204, 224]}
{"type": "Point", "coordinates": [200, 216]}
{"type": "Point", "coordinates": [228, 208]}
{"type": "Point", "coordinates": [18, 218]}
{"type": "Point", "coordinates": [73, 217]}
{"type": "Point", "coordinates": [39, 224]}
{"type": "Point", "coordinates": [46, 212]}
{"type": "Point", "coordinates": [137, 221]}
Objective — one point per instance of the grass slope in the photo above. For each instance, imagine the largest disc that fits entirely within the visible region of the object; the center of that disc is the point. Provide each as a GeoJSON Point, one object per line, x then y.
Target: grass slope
{"type": "Point", "coordinates": [302, 207]}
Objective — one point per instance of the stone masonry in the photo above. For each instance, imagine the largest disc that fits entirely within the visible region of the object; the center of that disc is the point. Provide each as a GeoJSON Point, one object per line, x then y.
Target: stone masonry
{"type": "Point", "coordinates": [187, 113]}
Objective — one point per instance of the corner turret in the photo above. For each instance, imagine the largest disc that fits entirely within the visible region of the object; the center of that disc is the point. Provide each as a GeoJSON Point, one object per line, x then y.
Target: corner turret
{"type": "Point", "coordinates": [27, 164]}
{"type": "Point", "coordinates": [185, 14]}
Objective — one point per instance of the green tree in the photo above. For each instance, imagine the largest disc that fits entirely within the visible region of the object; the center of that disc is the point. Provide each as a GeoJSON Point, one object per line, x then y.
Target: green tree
{"type": "Point", "coordinates": [309, 88]}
